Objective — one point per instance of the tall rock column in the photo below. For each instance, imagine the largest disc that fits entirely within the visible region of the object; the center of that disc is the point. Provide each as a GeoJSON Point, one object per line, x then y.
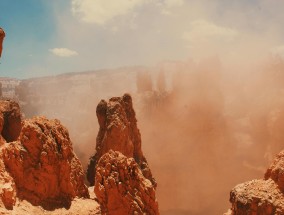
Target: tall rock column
{"type": "Point", "coordinates": [123, 181]}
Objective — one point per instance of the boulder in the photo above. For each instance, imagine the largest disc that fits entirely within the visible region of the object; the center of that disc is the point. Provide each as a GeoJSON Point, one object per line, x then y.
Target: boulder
{"type": "Point", "coordinates": [262, 196]}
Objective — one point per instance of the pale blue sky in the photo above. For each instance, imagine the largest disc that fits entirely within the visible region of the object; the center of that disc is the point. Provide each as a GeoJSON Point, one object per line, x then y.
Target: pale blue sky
{"type": "Point", "coordinates": [49, 37]}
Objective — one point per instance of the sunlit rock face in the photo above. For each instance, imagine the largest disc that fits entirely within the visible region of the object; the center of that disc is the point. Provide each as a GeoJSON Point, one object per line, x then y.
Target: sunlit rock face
{"type": "Point", "coordinates": [43, 165]}
{"type": "Point", "coordinates": [121, 188]}
{"type": "Point", "coordinates": [37, 162]}
{"type": "Point", "coordinates": [10, 128]}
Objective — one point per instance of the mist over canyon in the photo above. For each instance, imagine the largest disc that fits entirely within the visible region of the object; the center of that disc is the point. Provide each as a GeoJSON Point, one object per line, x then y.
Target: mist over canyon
{"type": "Point", "coordinates": [205, 127]}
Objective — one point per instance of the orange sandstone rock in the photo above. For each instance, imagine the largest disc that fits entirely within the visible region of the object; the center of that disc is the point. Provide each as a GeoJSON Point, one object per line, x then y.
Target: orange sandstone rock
{"type": "Point", "coordinates": [118, 132]}
{"type": "Point", "coordinates": [43, 165]}
{"type": "Point", "coordinates": [121, 188]}
{"type": "Point", "coordinates": [121, 175]}
{"type": "Point", "coordinates": [39, 167]}
{"type": "Point", "coordinates": [7, 187]}
{"type": "Point", "coordinates": [276, 171]}
{"type": "Point", "coordinates": [10, 128]}
{"type": "Point", "coordinates": [261, 197]}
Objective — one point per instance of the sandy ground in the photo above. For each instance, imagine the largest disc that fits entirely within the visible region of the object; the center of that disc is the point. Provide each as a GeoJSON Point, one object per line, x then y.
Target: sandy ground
{"type": "Point", "coordinates": [78, 207]}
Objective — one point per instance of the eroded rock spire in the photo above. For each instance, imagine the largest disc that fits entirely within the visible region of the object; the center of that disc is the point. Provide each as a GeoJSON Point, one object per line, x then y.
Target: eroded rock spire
{"type": "Point", "coordinates": [123, 181]}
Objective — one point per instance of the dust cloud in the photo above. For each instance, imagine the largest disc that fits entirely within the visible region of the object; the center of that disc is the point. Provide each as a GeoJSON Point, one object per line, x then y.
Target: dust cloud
{"type": "Point", "coordinates": [206, 126]}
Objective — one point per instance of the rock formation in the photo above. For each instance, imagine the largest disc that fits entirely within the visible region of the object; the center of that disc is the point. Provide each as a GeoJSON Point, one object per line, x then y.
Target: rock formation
{"type": "Point", "coordinates": [38, 165]}
{"type": "Point", "coordinates": [118, 131]}
{"type": "Point", "coordinates": [10, 120]}
{"type": "Point", "coordinates": [37, 162]}
{"type": "Point", "coordinates": [121, 175]}
{"type": "Point", "coordinates": [10, 128]}
{"type": "Point", "coordinates": [121, 188]}
{"type": "Point", "coordinates": [2, 35]}
{"type": "Point", "coordinates": [7, 188]}
{"type": "Point", "coordinates": [263, 196]}
{"type": "Point", "coordinates": [44, 158]}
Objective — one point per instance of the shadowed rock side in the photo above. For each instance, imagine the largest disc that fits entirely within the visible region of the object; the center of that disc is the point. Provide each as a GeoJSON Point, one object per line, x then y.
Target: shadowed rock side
{"type": "Point", "coordinates": [118, 131]}
{"type": "Point", "coordinates": [2, 35]}
{"type": "Point", "coordinates": [121, 188]}
{"type": "Point", "coordinates": [123, 181]}
{"type": "Point", "coordinates": [263, 196]}
{"type": "Point", "coordinates": [43, 165]}
{"type": "Point", "coordinates": [10, 120]}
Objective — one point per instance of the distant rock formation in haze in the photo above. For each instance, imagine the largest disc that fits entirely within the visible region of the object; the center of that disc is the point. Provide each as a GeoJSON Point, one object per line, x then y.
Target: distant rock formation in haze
{"type": "Point", "coordinates": [263, 196]}
{"type": "Point", "coordinates": [123, 181]}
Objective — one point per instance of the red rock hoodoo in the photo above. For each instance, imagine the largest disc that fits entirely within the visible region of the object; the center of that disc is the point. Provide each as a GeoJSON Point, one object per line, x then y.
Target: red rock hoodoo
{"type": "Point", "coordinates": [2, 35]}
{"type": "Point", "coordinates": [120, 172]}
{"type": "Point", "coordinates": [44, 158]}
{"type": "Point", "coordinates": [37, 162]}
{"type": "Point", "coordinates": [119, 132]}
{"type": "Point", "coordinates": [263, 196]}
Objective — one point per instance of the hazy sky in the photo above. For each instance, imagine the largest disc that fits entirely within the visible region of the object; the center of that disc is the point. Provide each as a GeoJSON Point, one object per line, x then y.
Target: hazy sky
{"type": "Point", "coordinates": [48, 37]}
